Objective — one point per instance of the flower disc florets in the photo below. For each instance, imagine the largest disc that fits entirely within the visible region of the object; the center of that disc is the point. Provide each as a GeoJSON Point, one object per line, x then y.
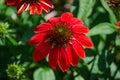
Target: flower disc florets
{"type": "Point", "coordinates": [30, 1]}
{"type": "Point", "coordinates": [60, 33]}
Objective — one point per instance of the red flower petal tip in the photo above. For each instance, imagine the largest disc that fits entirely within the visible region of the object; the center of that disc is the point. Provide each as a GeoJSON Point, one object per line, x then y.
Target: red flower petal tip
{"type": "Point", "coordinates": [118, 24]}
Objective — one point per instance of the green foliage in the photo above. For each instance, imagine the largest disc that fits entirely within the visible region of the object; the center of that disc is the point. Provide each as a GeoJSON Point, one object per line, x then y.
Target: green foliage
{"type": "Point", "coordinates": [102, 28]}
{"type": "Point", "coordinates": [43, 74]}
{"type": "Point", "coordinates": [85, 9]}
{"type": "Point", "coordinates": [102, 62]}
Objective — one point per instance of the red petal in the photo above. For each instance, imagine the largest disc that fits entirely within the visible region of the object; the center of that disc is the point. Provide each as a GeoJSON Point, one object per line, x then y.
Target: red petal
{"type": "Point", "coordinates": [118, 24]}
{"type": "Point", "coordinates": [41, 51]}
{"type": "Point", "coordinates": [53, 57]}
{"type": "Point", "coordinates": [54, 20]}
{"type": "Point", "coordinates": [37, 38]}
{"type": "Point", "coordinates": [65, 17]}
{"type": "Point", "coordinates": [12, 2]}
{"type": "Point", "coordinates": [80, 29]}
{"type": "Point", "coordinates": [28, 7]}
{"type": "Point", "coordinates": [73, 56]}
{"type": "Point", "coordinates": [84, 40]}
{"type": "Point", "coordinates": [21, 6]}
{"type": "Point", "coordinates": [63, 61]}
{"type": "Point", "coordinates": [45, 8]}
{"type": "Point", "coordinates": [39, 8]}
{"type": "Point", "coordinates": [47, 3]}
{"type": "Point", "coordinates": [78, 49]}
{"type": "Point", "coordinates": [42, 28]}
{"type": "Point", "coordinates": [75, 21]}
{"type": "Point", "coordinates": [33, 9]}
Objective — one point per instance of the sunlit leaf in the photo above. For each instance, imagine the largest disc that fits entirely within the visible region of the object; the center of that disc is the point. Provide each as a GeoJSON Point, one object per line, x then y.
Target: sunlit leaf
{"type": "Point", "coordinates": [12, 41]}
{"type": "Point", "coordinates": [102, 28]}
{"type": "Point", "coordinates": [85, 8]}
{"type": "Point", "coordinates": [117, 41]}
{"type": "Point", "coordinates": [44, 74]}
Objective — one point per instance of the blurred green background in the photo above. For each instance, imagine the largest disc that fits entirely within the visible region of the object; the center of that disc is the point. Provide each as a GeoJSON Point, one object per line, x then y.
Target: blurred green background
{"type": "Point", "coordinates": [102, 62]}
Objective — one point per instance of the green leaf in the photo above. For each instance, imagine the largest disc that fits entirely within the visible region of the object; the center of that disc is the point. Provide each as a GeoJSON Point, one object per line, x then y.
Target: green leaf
{"type": "Point", "coordinates": [111, 14]}
{"type": "Point", "coordinates": [85, 8]}
{"type": "Point", "coordinates": [117, 41]}
{"type": "Point", "coordinates": [75, 8]}
{"type": "Point", "coordinates": [79, 78]}
{"type": "Point", "coordinates": [85, 71]}
{"type": "Point", "coordinates": [1, 2]}
{"type": "Point", "coordinates": [102, 60]}
{"type": "Point", "coordinates": [102, 28]}
{"type": "Point", "coordinates": [13, 41]}
{"type": "Point", "coordinates": [44, 74]}
{"type": "Point", "coordinates": [110, 56]}
{"type": "Point", "coordinates": [101, 44]}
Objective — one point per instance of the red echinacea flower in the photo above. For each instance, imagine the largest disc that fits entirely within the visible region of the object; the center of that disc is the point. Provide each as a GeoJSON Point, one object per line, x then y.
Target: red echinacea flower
{"type": "Point", "coordinates": [114, 3]}
{"type": "Point", "coordinates": [62, 39]}
{"type": "Point", "coordinates": [118, 24]}
{"type": "Point", "coordinates": [35, 6]}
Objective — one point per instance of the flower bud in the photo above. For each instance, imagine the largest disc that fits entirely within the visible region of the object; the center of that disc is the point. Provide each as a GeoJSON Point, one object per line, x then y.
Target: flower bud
{"type": "Point", "coordinates": [14, 71]}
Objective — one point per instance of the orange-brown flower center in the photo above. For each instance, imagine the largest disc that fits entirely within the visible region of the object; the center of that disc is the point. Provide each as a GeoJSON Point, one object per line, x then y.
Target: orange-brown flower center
{"type": "Point", "coordinates": [60, 33]}
{"type": "Point", "coordinates": [30, 1]}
